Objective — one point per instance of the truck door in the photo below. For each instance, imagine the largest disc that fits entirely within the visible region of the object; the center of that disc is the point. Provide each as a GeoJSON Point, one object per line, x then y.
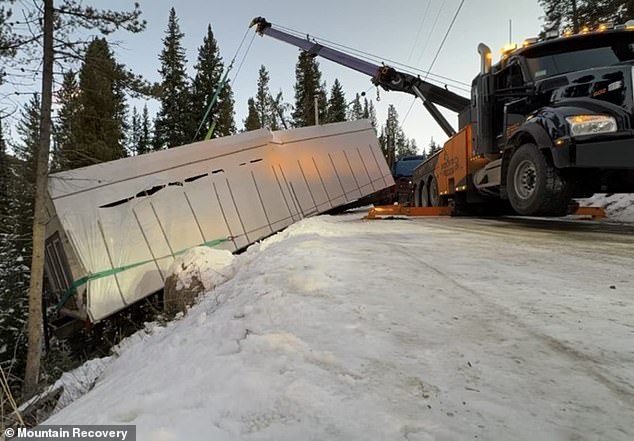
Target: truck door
{"type": "Point", "coordinates": [510, 102]}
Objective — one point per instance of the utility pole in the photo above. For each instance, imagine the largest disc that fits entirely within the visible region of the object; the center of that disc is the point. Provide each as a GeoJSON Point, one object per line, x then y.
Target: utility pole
{"type": "Point", "coordinates": [34, 354]}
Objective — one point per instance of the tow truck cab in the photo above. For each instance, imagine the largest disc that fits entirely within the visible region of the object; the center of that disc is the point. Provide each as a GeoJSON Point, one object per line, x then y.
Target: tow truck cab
{"type": "Point", "coordinates": [571, 99]}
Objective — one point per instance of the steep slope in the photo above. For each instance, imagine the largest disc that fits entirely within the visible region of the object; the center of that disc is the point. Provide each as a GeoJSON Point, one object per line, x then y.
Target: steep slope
{"type": "Point", "coordinates": [424, 329]}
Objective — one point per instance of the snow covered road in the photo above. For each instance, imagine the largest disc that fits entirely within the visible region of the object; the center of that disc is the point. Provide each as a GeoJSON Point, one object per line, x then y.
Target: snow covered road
{"type": "Point", "coordinates": [421, 329]}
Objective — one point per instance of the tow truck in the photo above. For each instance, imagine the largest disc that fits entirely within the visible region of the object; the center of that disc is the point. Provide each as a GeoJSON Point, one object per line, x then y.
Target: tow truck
{"type": "Point", "coordinates": [552, 120]}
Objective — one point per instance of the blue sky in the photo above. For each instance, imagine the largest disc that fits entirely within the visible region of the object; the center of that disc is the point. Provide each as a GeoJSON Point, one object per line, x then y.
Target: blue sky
{"type": "Point", "coordinates": [401, 30]}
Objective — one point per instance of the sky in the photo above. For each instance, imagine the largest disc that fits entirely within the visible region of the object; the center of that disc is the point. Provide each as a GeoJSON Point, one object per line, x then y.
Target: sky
{"type": "Point", "coordinates": [410, 33]}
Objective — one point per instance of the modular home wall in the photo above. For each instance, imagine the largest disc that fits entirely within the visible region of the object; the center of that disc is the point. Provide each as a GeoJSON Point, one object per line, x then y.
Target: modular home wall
{"type": "Point", "coordinates": [126, 220]}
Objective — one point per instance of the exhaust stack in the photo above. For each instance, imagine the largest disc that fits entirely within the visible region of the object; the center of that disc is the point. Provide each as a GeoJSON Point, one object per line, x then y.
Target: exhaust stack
{"type": "Point", "coordinates": [485, 58]}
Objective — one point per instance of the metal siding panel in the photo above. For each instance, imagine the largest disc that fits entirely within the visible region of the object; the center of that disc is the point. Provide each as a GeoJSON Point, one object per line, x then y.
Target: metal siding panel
{"type": "Point", "coordinates": [241, 188]}
{"type": "Point", "coordinates": [208, 211]}
{"type": "Point", "coordinates": [176, 219]}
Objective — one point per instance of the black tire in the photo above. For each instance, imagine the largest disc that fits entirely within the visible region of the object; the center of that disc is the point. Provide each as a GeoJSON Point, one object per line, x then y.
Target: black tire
{"type": "Point", "coordinates": [424, 198]}
{"type": "Point", "coordinates": [535, 187]}
{"type": "Point", "coordinates": [433, 195]}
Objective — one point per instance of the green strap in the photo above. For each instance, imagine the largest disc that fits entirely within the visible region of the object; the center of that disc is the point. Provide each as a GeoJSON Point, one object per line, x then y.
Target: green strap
{"type": "Point", "coordinates": [213, 100]}
{"type": "Point", "coordinates": [72, 289]}
{"type": "Point", "coordinates": [211, 131]}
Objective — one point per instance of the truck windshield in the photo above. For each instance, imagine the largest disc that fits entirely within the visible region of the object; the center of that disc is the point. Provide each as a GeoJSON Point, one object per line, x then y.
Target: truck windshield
{"type": "Point", "coordinates": [587, 53]}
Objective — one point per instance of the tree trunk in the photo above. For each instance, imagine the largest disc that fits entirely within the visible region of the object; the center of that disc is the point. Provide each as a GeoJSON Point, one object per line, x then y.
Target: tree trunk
{"type": "Point", "coordinates": [31, 377]}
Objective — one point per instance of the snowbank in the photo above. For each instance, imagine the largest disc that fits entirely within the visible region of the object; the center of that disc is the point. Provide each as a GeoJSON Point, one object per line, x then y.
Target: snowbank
{"type": "Point", "coordinates": [620, 207]}
{"type": "Point", "coordinates": [427, 329]}
{"type": "Point", "coordinates": [78, 382]}
{"type": "Point", "coordinates": [209, 266]}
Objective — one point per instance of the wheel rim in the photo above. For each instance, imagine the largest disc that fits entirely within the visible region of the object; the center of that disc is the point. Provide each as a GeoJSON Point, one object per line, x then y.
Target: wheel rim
{"type": "Point", "coordinates": [423, 196]}
{"type": "Point", "coordinates": [525, 179]}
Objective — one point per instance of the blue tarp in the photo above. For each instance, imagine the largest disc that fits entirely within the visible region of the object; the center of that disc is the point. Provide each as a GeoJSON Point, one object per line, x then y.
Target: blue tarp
{"type": "Point", "coordinates": [406, 166]}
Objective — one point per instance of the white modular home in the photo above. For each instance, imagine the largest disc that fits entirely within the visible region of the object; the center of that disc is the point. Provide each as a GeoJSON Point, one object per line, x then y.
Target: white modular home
{"type": "Point", "coordinates": [114, 228]}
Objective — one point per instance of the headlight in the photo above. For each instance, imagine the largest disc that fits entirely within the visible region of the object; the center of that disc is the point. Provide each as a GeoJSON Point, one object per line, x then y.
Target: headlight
{"type": "Point", "coordinates": [591, 124]}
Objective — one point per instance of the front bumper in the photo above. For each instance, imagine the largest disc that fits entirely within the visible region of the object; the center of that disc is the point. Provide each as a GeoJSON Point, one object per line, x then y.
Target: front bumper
{"type": "Point", "coordinates": [617, 154]}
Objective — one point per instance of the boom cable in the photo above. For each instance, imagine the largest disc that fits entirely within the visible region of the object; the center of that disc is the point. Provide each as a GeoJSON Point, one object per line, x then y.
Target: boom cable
{"type": "Point", "coordinates": [420, 28]}
{"type": "Point", "coordinates": [377, 59]}
{"type": "Point", "coordinates": [442, 43]}
{"type": "Point", "coordinates": [431, 31]}
{"type": "Point", "coordinates": [243, 58]}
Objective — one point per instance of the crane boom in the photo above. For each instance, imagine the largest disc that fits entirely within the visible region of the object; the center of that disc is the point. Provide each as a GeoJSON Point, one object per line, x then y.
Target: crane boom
{"type": "Point", "coordinates": [387, 77]}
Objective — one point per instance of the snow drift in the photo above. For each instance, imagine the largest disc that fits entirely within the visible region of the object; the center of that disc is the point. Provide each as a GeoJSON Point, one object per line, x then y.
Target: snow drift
{"type": "Point", "coordinates": [426, 329]}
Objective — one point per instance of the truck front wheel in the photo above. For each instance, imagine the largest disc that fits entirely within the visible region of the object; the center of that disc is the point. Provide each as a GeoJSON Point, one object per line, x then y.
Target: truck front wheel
{"type": "Point", "coordinates": [534, 185]}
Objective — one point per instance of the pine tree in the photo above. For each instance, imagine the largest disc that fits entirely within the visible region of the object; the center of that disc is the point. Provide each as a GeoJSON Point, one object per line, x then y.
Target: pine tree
{"type": "Point", "coordinates": [28, 130]}
{"type": "Point", "coordinates": [252, 122]}
{"type": "Point", "coordinates": [173, 125]}
{"type": "Point", "coordinates": [225, 124]}
{"type": "Point", "coordinates": [576, 14]}
{"type": "Point", "coordinates": [209, 69]}
{"type": "Point", "coordinates": [592, 13]}
{"type": "Point", "coordinates": [98, 130]}
{"type": "Point", "coordinates": [14, 284]}
{"type": "Point", "coordinates": [275, 114]}
{"type": "Point", "coordinates": [389, 134]}
{"type": "Point", "coordinates": [413, 146]}
{"type": "Point", "coordinates": [308, 85]}
{"type": "Point", "coordinates": [134, 136]}
{"type": "Point", "coordinates": [7, 38]}
{"type": "Point", "coordinates": [63, 129]}
{"type": "Point", "coordinates": [14, 274]}
{"type": "Point", "coordinates": [404, 147]}
{"type": "Point", "coordinates": [337, 105]}
{"type": "Point", "coordinates": [17, 181]}
{"type": "Point", "coordinates": [209, 73]}
{"type": "Point", "coordinates": [262, 100]}
{"type": "Point", "coordinates": [5, 185]}
{"type": "Point", "coordinates": [264, 105]}
{"type": "Point", "coordinates": [557, 16]}
{"type": "Point", "coordinates": [433, 148]}
{"type": "Point", "coordinates": [145, 141]}
{"type": "Point", "coordinates": [280, 111]}
{"type": "Point", "coordinates": [355, 111]}
{"type": "Point", "coordinates": [369, 112]}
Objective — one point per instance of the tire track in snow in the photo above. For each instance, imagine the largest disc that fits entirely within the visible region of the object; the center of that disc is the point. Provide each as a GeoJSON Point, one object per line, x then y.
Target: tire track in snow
{"type": "Point", "coordinates": [622, 389]}
{"type": "Point", "coordinates": [614, 246]}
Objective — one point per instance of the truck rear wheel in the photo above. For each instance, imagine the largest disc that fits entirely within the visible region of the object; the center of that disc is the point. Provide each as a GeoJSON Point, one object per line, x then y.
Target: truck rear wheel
{"type": "Point", "coordinates": [434, 196]}
{"type": "Point", "coordinates": [424, 197]}
{"type": "Point", "coordinates": [534, 185]}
